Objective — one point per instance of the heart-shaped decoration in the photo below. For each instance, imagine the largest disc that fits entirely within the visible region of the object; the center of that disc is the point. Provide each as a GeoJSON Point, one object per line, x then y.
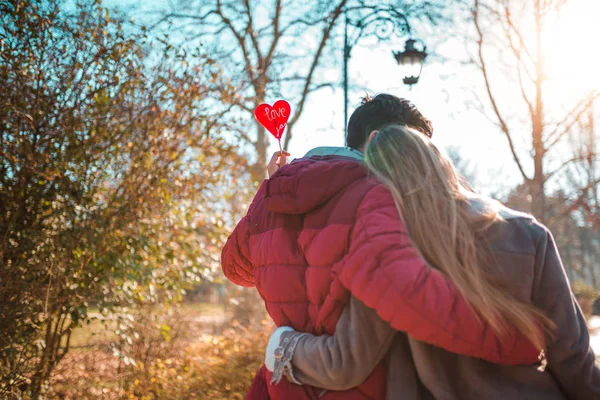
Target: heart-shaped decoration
{"type": "Point", "coordinates": [274, 118]}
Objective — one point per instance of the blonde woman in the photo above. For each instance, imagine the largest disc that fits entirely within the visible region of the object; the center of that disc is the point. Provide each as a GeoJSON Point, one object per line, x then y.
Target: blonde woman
{"type": "Point", "coordinates": [503, 262]}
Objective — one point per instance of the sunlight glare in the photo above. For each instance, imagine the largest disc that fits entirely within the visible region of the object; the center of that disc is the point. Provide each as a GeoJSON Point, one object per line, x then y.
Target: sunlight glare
{"type": "Point", "coordinates": [572, 59]}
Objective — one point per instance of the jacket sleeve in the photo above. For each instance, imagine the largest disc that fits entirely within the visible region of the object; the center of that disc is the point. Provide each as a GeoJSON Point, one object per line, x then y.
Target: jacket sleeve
{"type": "Point", "coordinates": [344, 360]}
{"type": "Point", "coordinates": [570, 357]}
{"type": "Point", "coordinates": [384, 270]}
{"type": "Point", "coordinates": [235, 256]}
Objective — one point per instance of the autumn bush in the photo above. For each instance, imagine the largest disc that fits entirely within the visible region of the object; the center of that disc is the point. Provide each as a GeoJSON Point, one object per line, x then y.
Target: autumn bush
{"type": "Point", "coordinates": [585, 295]}
{"type": "Point", "coordinates": [170, 357]}
{"type": "Point", "coordinates": [216, 367]}
{"type": "Point", "coordinates": [117, 184]}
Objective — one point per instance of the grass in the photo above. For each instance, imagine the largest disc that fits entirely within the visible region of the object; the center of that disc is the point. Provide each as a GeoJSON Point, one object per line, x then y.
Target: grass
{"type": "Point", "coordinates": [93, 334]}
{"type": "Point", "coordinates": [100, 331]}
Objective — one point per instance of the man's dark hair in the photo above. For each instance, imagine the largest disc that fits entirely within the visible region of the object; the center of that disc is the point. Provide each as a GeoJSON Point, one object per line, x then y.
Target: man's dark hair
{"type": "Point", "coordinates": [379, 111]}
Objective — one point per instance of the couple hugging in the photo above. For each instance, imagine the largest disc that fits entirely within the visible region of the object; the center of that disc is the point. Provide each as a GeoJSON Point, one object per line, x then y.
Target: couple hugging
{"type": "Point", "coordinates": [389, 278]}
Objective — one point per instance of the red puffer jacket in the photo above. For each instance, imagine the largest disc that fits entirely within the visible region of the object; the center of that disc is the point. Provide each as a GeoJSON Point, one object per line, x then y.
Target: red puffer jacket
{"type": "Point", "coordinates": [321, 229]}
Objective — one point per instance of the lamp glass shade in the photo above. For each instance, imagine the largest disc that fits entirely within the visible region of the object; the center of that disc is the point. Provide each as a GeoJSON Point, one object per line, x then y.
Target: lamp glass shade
{"type": "Point", "coordinates": [410, 62]}
{"type": "Point", "coordinates": [410, 69]}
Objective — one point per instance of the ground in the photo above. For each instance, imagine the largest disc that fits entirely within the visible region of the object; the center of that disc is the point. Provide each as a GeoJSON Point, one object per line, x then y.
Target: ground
{"type": "Point", "coordinates": [92, 370]}
{"type": "Point", "coordinates": [203, 341]}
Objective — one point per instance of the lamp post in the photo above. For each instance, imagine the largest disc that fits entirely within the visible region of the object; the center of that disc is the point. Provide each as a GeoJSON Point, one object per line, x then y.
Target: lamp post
{"type": "Point", "coordinates": [384, 23]}
{"type": "Point", "coordinates": [411, 60]}
{"type": "Point", "coordinates": [347, 50]}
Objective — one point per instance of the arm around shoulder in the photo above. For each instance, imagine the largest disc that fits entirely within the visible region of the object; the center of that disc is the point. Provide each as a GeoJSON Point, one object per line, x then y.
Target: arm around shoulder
{"type": "Point", "coordinates": [344, 360]}
{"type": "Point", "coordinates": [385, 270]}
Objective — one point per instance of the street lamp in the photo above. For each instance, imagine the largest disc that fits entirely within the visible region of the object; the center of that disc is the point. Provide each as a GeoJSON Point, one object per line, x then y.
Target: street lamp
{"type": "Point", "coordinates": [383, 23]}
{"type": "Point", "coordinates": [411, 61]}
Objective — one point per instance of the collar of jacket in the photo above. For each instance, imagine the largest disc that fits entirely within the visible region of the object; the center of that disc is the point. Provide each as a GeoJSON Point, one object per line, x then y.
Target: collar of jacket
{"type": "Point", "coordinates": [479, 203]}
{"type": "Point", "coordinates": [336, 151]}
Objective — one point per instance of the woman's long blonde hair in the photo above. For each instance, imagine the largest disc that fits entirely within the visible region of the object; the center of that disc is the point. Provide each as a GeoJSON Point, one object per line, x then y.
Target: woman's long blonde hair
{"type": "Point", "coordinates": [432, 201]}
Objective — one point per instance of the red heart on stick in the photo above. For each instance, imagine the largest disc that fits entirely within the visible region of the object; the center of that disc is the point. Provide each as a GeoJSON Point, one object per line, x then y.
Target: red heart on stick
{"type": "Point", "coordinates": [274, 118]}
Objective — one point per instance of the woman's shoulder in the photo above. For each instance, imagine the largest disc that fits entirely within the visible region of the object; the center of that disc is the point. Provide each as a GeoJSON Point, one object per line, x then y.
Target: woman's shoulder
{"type": "Point", "coordinates": [516, 231]}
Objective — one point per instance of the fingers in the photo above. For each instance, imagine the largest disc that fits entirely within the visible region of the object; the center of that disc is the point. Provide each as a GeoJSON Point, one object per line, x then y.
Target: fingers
{"type": "Point", "coordinates": [280, 157]}
{"type": "Point", "coordinates": [278, 154]}
{"type": "Point", "coordinates": [282, 160]}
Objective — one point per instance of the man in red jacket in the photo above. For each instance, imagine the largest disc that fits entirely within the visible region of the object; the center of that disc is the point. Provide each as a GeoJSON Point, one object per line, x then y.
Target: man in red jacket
{"type": "Point", "coordinates": [321, 230]}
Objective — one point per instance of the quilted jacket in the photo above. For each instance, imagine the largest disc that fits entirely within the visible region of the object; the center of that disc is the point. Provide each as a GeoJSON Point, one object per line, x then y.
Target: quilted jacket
{"type": "Point", "coordinates": [320, 229]}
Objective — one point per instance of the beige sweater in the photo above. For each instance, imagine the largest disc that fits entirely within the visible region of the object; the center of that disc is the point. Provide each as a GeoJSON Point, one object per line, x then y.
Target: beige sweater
{"type": "Point", "coordinates": [345, 360]}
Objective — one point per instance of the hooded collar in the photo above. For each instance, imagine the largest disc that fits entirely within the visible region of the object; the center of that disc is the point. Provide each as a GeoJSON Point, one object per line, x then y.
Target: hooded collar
{"type": "Point", "coordinates": [309, 182]}
{"type": "Point", "coordinates": [336, 151]}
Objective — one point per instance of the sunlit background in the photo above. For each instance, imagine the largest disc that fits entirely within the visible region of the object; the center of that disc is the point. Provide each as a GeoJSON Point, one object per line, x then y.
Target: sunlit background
{"type": "Point", "coordinates": [447, 88]}
{"type": "Point", "coordinates": [448, 84]}
{"type": "Point", "coordinates": [130, 151]}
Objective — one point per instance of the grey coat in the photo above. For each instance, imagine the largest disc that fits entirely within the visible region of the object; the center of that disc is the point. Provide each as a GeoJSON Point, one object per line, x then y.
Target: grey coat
{"type": "Point", "coordinates": [528, 259]}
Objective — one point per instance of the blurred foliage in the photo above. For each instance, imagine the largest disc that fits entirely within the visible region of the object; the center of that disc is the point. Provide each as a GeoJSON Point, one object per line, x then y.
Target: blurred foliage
{"type": "Point", "coordinates": [111, 151]}
{"type": "Point", "coordinates": [585, 295]}
{"type": "Point", "coordinates": [220, 367]}
{"type": "Point", "coordinates": [583, 290]}
{"type": "Point", "coordinates": [245, 305]}
{"type": "Point", "coordinates": [190, 364]}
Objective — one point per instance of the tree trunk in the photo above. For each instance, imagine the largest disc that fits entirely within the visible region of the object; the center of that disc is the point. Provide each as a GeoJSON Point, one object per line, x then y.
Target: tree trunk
{"type": "Point", "coordinates": [39, 381]}
{"type": "Point", "coordinates": [538, 195]}
{"type": "Point", "coordinates": [259, 169]}
{"type": "Point", "coordinates": [537, 192]}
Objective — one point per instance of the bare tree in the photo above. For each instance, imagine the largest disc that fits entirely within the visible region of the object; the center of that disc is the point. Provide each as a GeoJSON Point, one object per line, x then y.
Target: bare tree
{"type": "Point", "coordinates": [499, 25]}
{"type": "Point", "coordinates": [278, 47]}
{"type": "Point", "coordinates": [585, 208]}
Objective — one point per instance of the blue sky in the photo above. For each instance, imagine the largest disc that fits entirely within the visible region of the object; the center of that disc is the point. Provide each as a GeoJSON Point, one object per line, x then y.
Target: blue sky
{"type": "Point", "coordinates": [447, 90]}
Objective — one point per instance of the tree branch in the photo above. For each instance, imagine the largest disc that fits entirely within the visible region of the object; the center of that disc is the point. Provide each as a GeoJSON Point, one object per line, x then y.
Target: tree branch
{"type": "Point", "coordinates": [276, 34]}
{"type": "Point", "coordinates": [321, 86]}
{"type": "Point", "coordinates": [520, 63]}
{"type": "Point", "coordinates": [250, 31]}
{"type": "Point", "coordinates": [517, 32]}
{"type": "Point", "coordinates": [565, 164]}
{"type": "Point", "coordinates": [326, 33]}
{"type": "Point", "coordinates": [240, 41]}
{"type": "Point", "coordinates": [576, 113]}
{"type": "Point", "coordinates": [483, 68]}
